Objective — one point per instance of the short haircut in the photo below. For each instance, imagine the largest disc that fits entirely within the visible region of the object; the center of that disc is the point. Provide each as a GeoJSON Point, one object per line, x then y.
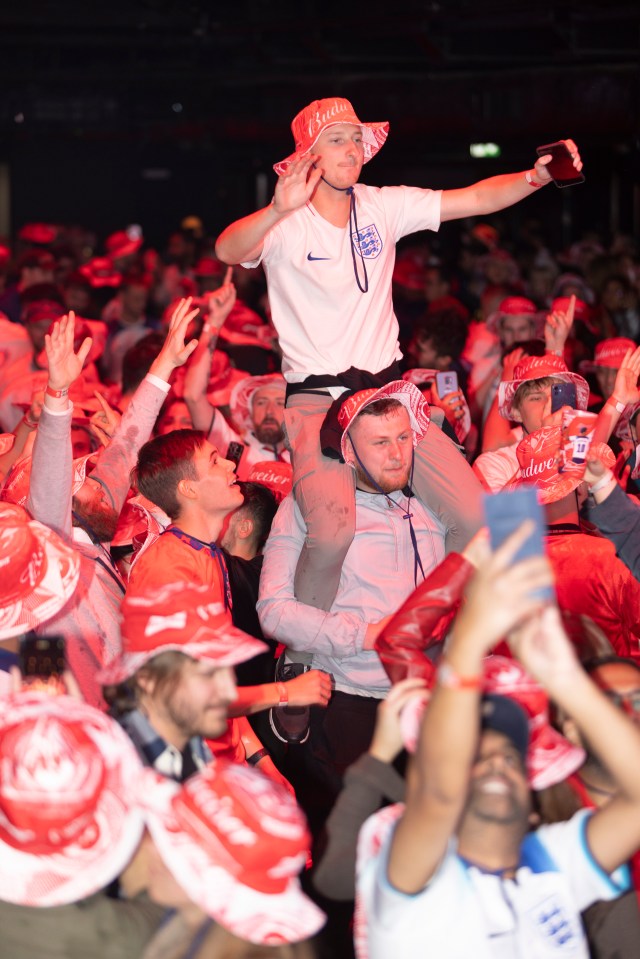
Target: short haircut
{"type": "Point", "coordinates": [162, 463]}
{"type": "Point", "coordinates": [446, 329]}
{"type": "Point", "coordinates": [261, 505]}
{"type": "Point", "coordinates": [138, 359]}
{"type": "Point", "coordinates": [531, 386]}
{"type": "Point", "coordinates": [381, 407]}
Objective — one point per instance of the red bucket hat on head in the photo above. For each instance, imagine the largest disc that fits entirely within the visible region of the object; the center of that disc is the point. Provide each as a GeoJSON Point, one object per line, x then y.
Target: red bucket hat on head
{"type": "Point", "coordinates": [209, 266]}
{"type": "Point", "coordinates": [314, 119]}
{"type": "Point", "coordinates": [100, 273]}
{"type": "Point", "coordinates": [581, 310]}
{"type": "Point", "coordinates": [608, 354]}
{"type": "Point", "coordinates": [42, 234]}
{"type": "Point", "coordinates": [406, 393]}
{"type": "Point", "coordinates": [16, 487]}
{"type": "Point", "coordinates": [38, 572]}
{"type": "Point", "coordinates": [276, 476]}
{"type": "Point", "coordinates": [242, 394]}
{"type": "Point", "coordinates": [122, 243]}
{"type": "Point", "coordinates": [177, 617]}
{"type": "Point", "coordinates": [68, 824]}
{"type": "Point", "coordinates": [516, 306]}
{"type": "Point", "coordinates": [538, 368]}
{"type": "Point", "coordinates": [235, 841]}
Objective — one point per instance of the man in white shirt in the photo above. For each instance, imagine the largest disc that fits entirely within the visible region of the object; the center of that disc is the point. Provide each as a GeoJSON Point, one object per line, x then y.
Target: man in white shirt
{"type": "Point", "coordinates": [457, 871]}
{"type": "Point", "coordinates": [327, 245]}
{"type": "Point", "coordinates": [398, 542]}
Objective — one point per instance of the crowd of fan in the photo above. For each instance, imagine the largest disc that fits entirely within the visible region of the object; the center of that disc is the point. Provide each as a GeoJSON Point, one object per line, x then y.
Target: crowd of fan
{"type": "Point", "coordinates": [220, 769]}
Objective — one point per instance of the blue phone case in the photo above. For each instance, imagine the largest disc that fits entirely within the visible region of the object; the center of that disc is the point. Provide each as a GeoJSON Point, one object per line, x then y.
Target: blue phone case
{"type": "Point", "coordinates": [505, 512]}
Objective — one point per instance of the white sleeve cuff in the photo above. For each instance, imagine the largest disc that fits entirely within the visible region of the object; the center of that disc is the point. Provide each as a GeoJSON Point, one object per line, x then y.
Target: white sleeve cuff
{"type": "Point", "coordinates": [156, 381]}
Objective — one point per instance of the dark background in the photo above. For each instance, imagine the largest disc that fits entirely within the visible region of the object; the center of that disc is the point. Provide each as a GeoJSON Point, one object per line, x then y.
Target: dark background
{"type": "Point", "coordinates": [149, 110]}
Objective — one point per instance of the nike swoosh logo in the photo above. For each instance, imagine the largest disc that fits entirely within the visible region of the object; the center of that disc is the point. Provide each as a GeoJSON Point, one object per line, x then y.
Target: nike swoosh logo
{"type": "Point", "coordinates": [310, 257]}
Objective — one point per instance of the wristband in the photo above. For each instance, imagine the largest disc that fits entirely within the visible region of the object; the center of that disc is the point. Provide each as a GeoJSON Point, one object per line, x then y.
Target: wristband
{"type": "Point", "coordinates": [57, 394]}
{"type": "Point", "coordinates": [255, 758]}
{"type": "Point", "coordinates": [602, 482]}
{"type": "Point", "coordinates": [28, 422]}
{"type": "Point", "coordinates": [449, 679]}
{"type": "Point", "coordinates": [621, 407]}
{"type": "Point", "coordinates": [283, 693]}
{"type": "Point", "coordinates": [531, 181]}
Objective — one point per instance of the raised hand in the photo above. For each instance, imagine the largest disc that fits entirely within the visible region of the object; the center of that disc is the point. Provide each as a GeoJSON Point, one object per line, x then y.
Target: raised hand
{"type": "Point", "coordinates": [65, 365]}
{"type": "Point", "coordinates": [174, 351]}
{"type": "Point", "coordinates": [558, 326]}
{"type": "Point", "coordinates": [625, 389]}
{"type": "Point", "coordinates": [387, 741]}
{"type": "Point", "coordinates": [219, 303]}
{"type": "Point", "coordinates": [296, 185]}
{"type": "Point", "coordinates": [543, 175]}
{"type": "Point", "coordinates": [103, 423]}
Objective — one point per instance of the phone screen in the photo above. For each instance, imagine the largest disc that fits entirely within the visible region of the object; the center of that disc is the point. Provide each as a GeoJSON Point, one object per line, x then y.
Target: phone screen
{"type": "Point", "coordinates": [43, 661]}
{"type": "Point", "coordinates": [446, 383]}
{"type": "Point", "coordinates": [234, 452]}
{"type": "Point", "coordinates": [506, 511]}
{"type": "Point", "coordinates": [561, 167]}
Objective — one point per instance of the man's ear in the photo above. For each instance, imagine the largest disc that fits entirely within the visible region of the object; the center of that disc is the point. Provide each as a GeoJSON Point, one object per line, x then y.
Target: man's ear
{"type": "Point", "coordinates": [349, 454]}
{"type": "Point", "coordinates": [516, 416]}
{"type": "Point", "coordinates": [244, 529]}
{"type": "Point", "coordinates": [186, 489]}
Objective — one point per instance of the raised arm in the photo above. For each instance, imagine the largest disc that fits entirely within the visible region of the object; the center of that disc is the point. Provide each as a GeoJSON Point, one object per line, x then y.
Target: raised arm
{"type": "Point", "coordinates": [499, 192]}
{"type": "Point", "coordinates": [242, 241]}
{"type": "Point", "coordinates": [219, 305]}
{"type": "Point", "coordinates": [51, 471]}
{"type": "Point", "coordinates": [499, 597]}
{"type": "Point", "coordinates": [613, 832]}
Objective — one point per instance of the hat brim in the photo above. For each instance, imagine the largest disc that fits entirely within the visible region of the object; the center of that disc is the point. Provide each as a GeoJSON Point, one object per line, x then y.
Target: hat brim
{"type": "Point", "coordinates": [551, 757]}
{"type": "Point", "coordinates": [41, 602]}
{"type": "Point", "coordinates": [260, 918]}
{"type": "Point", "coordinates": [538, 319]}
{"type": "Point", "coordinates": [508, 389]}
{"type": "Point", "coordinates": [79, 870]}
{"type": "Point", "coordinates": [374, 136]}
{"type": "Point", "coordinates": [411, 398]}
{"type": "Point", "coordinates": [238, 647]}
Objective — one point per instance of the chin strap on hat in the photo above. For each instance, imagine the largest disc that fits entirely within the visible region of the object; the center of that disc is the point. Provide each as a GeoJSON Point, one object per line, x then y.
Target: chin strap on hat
{"type": "Point", "coordinates": [408, 515]}
{"type": "Point", "coordinates": [353, 229]}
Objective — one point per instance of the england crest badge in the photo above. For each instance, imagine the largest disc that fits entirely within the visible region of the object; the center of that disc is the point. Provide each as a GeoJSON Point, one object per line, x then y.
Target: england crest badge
{"type": "Point", "coordinates": [368, 242]}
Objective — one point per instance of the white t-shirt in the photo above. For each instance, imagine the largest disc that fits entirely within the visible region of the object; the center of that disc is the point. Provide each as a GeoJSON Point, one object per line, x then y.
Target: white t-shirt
{"type": "Point", "coordinates": [465, 912]}
{"type": "Point", "coordinates": [495, 468]}
{"type": "Point", "coordinates": [325, 324]}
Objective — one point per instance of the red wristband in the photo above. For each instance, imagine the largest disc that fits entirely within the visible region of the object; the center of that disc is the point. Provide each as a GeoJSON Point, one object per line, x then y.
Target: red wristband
{"type": "Point", "coordinates": [448, 678]}
{"type": "Point", "coordinates": [57, 394]}
{"type": "Point", "coordinates": [283, 693]}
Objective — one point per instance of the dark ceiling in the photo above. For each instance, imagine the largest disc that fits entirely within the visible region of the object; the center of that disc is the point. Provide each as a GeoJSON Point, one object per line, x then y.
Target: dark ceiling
{"type": "Point", "coordinates": [153, 83]}
{"type": "Point", "coordinates": [243, 67]}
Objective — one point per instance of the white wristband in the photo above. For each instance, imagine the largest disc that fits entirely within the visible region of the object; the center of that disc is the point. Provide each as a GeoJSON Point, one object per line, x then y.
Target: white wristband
{"type": "Point", "coordinates": [602, 482]}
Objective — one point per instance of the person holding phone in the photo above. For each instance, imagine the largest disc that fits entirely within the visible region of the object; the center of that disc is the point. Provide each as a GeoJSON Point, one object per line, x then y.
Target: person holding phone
{"type": "Point", "coordinates": [526, 399]}
{"type": "Point", "coordinates": [327, 244]}
{"type": "Point", "coordinates": [464, 843]}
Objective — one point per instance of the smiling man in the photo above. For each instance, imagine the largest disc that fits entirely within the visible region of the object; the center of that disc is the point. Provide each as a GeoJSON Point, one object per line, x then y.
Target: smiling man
{"type": "Point", "coordinates": [186, 476]}
{"type": "Point", "coordinates": [327, 244]}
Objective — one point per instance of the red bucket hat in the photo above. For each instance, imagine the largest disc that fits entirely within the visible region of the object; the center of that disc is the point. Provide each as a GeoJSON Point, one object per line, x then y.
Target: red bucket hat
{"type": "Point", "coordinates": [315, 118]}
{"type": "Point", "coordinates": [406, 393]}
{"type": "Point", "coordinates": [608, 354]}
{"type": "Point", "coordinates": [540, 456]}
{"type": "Point", "coordinates": [516, 306]}
{"type": "Point", "coordinates": [537, 368]}
{"type": "Point", "coordinates": [581, 310]}
{"type": "Point", "coordinates": [242, 394]}
{"type": "Point", "coordinates": [68, 823]}
{"type": "Point", "coordinates": [276, 476]}
{"type": "Point", "coordinates": [16, 487]}
{"type": "Point", "coordinates": [176, 617]}
{"type": "Point", "coordinates": [551, 757]}
{"type": "Point", "coordinates": [100, 273]}
{"type": "Point", "coordinates": [235, 841]}
{"type": "Point", "coordinates": [122, 243]}
{"type": "Point", "coordinates": [38, 572]}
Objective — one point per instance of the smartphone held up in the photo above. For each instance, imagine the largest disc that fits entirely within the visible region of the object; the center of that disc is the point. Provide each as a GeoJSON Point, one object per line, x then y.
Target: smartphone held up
{"type": "Point", "coordinates": [505, 512]}
{"type": "Point", "coordinates": [561, 168]}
